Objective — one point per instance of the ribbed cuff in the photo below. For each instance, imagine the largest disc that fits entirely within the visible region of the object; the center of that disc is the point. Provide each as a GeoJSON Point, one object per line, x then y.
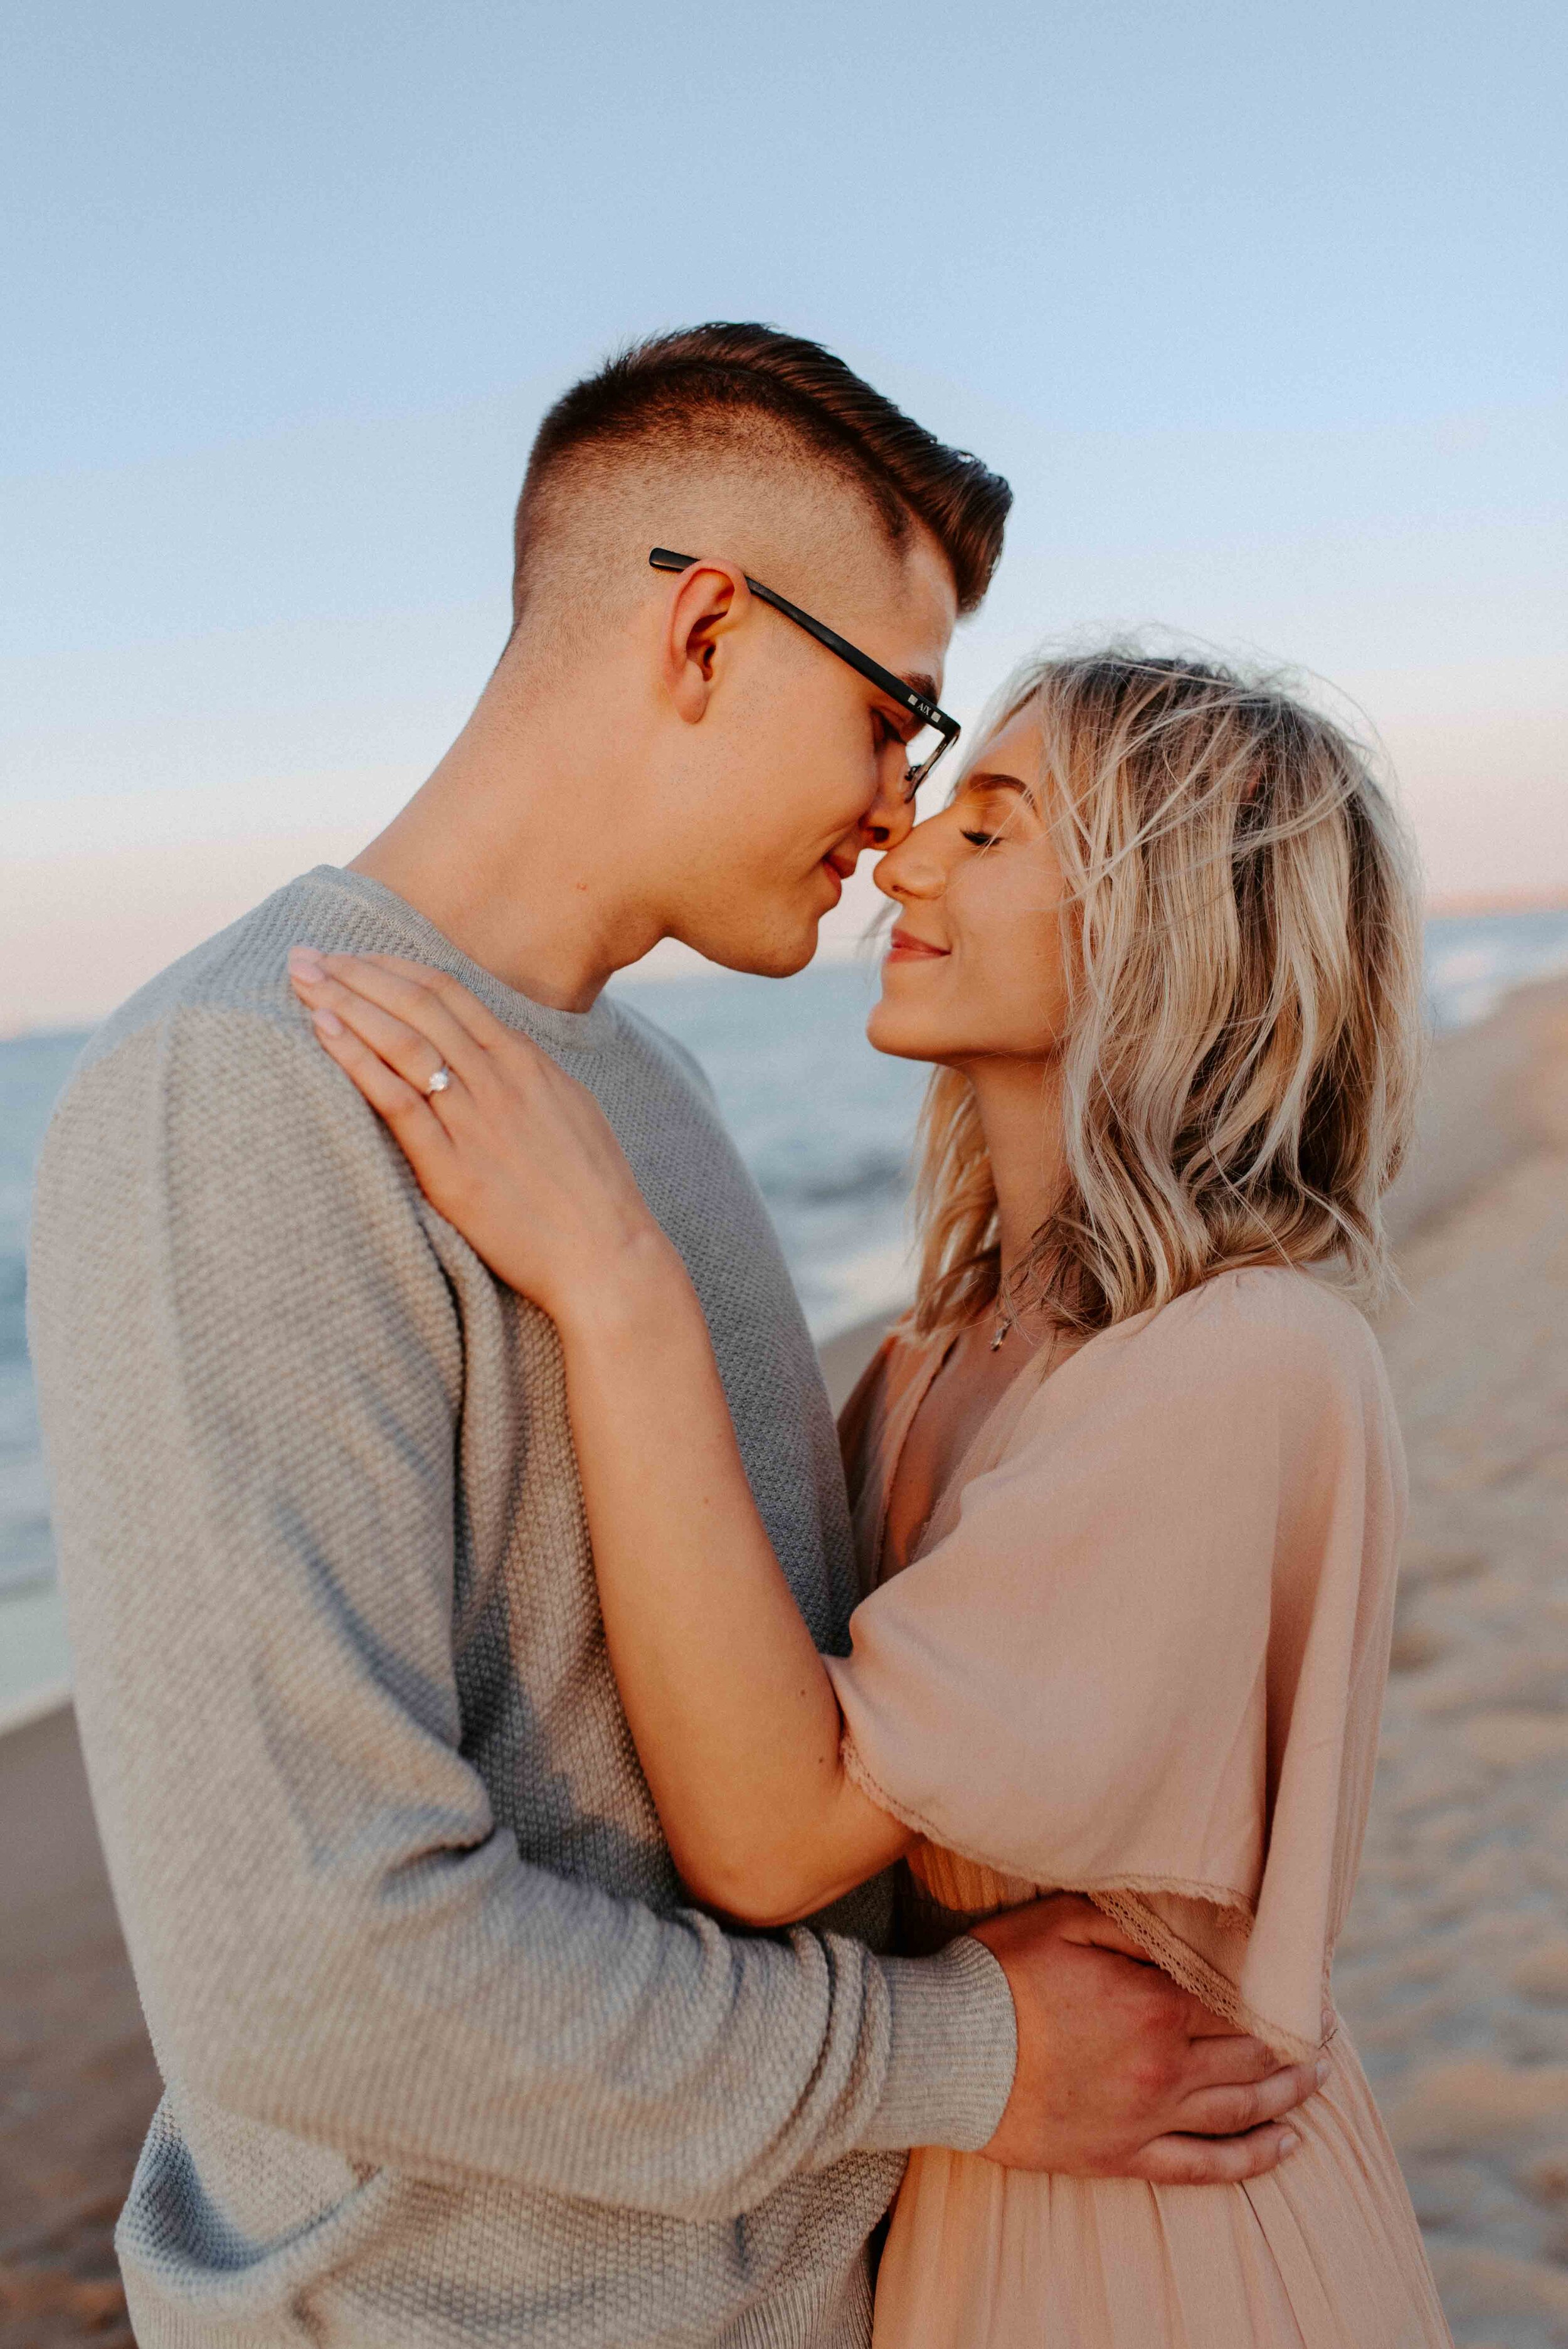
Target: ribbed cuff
{"type": "Point", "coordinates": [954, 2051]}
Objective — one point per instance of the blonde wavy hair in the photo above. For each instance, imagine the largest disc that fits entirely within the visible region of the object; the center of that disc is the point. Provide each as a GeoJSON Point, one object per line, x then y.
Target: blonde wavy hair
{"type": "Point", "coordinates": [1242, 1052]}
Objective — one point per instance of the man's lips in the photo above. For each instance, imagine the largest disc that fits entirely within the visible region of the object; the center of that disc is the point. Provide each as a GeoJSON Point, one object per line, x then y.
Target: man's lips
{"type": "Point", "coordinates": [905, 946]}
{"type": "Point", "coordinates": [840, 867]}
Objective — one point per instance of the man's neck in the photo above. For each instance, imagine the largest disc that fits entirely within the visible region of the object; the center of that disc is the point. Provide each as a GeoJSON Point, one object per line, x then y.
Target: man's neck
{"type": "Point", "coordinates": [503, 850]}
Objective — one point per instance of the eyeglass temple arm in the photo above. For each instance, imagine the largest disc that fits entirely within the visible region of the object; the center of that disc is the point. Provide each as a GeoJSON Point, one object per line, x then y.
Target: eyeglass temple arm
{"type": "Point", "coordinates": [895, 688]}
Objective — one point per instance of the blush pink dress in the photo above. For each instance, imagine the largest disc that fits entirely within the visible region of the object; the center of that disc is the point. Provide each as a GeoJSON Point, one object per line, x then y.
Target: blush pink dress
{"type": "Point", "coordinates": [1138, 1652]}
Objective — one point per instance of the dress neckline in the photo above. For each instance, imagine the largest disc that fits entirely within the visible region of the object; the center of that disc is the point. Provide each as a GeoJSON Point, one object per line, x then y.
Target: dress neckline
{"type": "Point", "coordinates": [896, 1431]}
{"type": "Point", "coordinates": [901, 1422]}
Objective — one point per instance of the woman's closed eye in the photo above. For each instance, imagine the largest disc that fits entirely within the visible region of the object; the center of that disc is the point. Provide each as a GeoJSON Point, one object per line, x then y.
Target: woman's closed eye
{"type": "Point", "coordinates": [999, 808]}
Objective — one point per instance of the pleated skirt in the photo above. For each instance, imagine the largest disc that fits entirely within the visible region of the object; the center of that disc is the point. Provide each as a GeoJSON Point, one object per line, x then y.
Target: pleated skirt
{"type": "Point", "coordinates": [1324, 2253]}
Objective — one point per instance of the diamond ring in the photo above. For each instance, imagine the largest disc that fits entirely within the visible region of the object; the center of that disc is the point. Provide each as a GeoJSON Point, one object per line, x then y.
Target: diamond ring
{"type": "Point", "coordinates": [440, 1081]}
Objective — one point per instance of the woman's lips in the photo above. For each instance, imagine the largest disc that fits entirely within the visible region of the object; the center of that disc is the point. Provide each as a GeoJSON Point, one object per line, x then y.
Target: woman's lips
{"type": "Point", "coordinates": [904, 947]}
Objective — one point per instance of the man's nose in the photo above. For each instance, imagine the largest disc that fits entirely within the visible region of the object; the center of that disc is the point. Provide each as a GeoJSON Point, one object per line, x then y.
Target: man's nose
{"type": "Point", "coordinates": [890, 818]}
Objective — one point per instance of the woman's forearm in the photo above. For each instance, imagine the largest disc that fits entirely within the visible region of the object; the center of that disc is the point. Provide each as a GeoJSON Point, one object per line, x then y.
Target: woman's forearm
{"type": "Point", "coordinates": [732, 1712]}
{"type": "Point", "coordinates": [734, 1717]}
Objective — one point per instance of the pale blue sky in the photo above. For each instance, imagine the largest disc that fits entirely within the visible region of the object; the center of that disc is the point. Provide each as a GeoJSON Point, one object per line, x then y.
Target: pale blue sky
{"type": "Point", "coordinates": [1261, 308]}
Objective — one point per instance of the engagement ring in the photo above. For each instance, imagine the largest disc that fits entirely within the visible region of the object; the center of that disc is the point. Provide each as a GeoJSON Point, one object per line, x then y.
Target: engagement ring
{"type": "Point", "coordinates": [440, 1081]}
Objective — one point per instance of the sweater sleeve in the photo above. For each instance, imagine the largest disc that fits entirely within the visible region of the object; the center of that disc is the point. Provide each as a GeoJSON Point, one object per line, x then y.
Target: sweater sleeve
{"type": "Point", "coordinates": [250, 1367]}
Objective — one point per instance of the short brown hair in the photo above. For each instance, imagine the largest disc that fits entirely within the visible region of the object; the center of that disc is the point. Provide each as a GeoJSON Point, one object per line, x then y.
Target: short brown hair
{"type": "Point", "coordinates": [690, 385]}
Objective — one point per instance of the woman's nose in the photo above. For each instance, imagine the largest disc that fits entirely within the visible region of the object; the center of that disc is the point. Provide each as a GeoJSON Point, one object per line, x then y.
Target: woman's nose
{"type": "Point", "coordinates": [915, 867]}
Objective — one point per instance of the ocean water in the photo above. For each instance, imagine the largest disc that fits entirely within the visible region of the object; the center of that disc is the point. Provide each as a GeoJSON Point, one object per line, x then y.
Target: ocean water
{"type": "Point", "coordinates": [823, 1121]}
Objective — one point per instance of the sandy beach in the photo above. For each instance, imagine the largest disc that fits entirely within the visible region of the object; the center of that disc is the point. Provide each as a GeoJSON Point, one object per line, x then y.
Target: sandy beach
{"type": "Point", "coordinates": [1453, 1976]}
{"type": "Point", "coordinates": [1454, 1973]}
{"type": "Point", "coordinates": [77, 2081]}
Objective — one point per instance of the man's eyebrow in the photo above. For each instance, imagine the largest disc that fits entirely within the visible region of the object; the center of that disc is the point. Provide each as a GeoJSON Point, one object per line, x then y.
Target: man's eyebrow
{"type": "Point", "coordinates": [927, 686]}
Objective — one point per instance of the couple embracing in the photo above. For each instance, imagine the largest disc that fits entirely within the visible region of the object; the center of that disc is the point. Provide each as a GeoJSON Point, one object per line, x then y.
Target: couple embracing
{"type": "Point", "coordinates": [590, 1846]}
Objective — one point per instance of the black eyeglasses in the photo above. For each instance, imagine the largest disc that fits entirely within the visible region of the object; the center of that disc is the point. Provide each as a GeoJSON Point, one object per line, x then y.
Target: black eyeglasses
{"type": "Point", "coordinates": [897, 689]}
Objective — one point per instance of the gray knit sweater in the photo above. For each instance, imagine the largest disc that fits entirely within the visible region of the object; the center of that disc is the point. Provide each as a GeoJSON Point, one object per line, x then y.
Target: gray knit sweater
{"type": "Point", "coordinates": [447, 2060]}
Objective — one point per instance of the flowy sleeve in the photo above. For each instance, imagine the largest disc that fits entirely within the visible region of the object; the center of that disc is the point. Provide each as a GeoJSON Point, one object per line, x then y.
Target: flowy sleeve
{"type": "Point", "coordinates": [1141, 1655]}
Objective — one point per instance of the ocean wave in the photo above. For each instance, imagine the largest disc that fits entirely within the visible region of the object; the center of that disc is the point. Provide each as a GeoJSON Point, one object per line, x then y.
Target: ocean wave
{"type": "Point", "coordinates": [875, 1173]}
{"type": "Point", "coordinates": [12, 1307]}
{"type": "Point", "coordinates": [27, 1560]}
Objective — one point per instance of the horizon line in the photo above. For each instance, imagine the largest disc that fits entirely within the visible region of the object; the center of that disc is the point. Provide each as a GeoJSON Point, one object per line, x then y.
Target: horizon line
{"type": "Point", "coordinates": [1448, 906]}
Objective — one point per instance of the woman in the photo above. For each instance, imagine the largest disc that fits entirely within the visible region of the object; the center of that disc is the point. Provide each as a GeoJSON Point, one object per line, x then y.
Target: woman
{"type": "Point", "coordinates": [1127, 1484]}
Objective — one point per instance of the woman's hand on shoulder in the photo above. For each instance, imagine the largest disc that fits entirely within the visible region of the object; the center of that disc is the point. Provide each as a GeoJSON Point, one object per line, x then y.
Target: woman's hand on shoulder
{"type": "Point", "coordinates": [508, 1147]}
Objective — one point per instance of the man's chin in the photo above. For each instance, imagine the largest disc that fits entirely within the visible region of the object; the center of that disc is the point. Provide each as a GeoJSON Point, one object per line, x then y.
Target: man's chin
{"type": "Point", "coordinates": [776, 953]}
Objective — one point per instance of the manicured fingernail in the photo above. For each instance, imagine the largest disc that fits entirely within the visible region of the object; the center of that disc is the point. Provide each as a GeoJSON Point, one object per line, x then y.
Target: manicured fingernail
{"type": "Point", "coordinates": [1288, 2144]}
{"type": "Point", "coordinates": [328, 1022]}
{"type": "Point", "coordinates": [305, 963]}
{"type": "Point", "coordinates": [1322, 2071]}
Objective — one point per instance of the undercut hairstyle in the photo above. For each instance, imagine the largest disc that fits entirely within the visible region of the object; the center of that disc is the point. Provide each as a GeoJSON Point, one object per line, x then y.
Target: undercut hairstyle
{"type": "Point", "coordinates": [720, 392]}
{"type": "Point", "coordinates": [1244, 1034]}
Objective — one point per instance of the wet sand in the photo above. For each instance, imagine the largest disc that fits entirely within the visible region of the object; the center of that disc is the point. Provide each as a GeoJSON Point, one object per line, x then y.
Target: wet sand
{"type": "Point", "coordinates": [1453, 1974]}
{"type": "Point", "coordinates": [78, 2081]}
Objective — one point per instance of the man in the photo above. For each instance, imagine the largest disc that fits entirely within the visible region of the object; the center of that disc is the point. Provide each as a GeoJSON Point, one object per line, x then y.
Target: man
{"type": "Point", "coordinates": [446, 2058]}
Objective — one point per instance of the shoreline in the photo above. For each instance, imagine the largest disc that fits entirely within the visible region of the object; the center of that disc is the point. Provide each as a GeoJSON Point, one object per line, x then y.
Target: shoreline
{"type": "Point", "coordinates": [22, 1712]}
{"type": "Point", "coordinates": [1453, 1971]}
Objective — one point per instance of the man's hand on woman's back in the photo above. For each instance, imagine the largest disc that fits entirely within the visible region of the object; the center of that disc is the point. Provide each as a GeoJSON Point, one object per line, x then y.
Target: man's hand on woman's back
{"type": "Point", "coordinates": [1121, 2073]}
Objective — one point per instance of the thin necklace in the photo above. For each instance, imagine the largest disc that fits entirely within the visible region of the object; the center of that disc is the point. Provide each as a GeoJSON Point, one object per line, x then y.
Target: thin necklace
{"type": "Point", "coordinates": [1006, 1317]}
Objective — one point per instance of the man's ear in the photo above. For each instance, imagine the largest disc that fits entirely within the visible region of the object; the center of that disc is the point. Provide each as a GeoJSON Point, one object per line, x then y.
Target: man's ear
{"type": "Point", "coordinates": [706, 604]}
